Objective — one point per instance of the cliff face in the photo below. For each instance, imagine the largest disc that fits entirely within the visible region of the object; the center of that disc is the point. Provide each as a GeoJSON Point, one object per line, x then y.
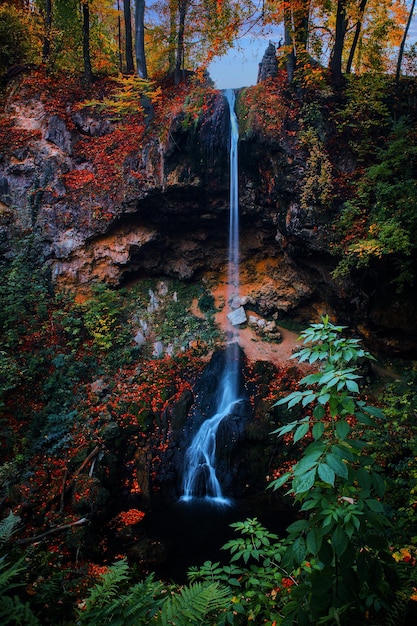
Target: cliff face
{"type": "Point", "coordinates": [149, 195]}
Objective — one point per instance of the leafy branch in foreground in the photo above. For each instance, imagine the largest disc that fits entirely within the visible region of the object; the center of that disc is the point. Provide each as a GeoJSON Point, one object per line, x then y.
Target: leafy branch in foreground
{"type": "Point", "coordinates": [260, 585]}
{"type": "Point", "coordinates": [338, 486]}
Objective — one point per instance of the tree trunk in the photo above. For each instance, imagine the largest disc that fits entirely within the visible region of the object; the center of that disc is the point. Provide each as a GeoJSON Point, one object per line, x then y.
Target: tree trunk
{"type": "Point", "coordinates": [46, 48]}
{"type": "Point", "coordinates": [356, 36]}
{"type": "Point", "coordinates": [401, 51]}
{"type": "Point", "coordinates": [288, 42]}
{"type": "Point", "coordinates": [88, 73]}
{"type": "Point", "coordinates": [140, 39]}
{"type": "Point", "coordinates": [335, 63]}
{"type": "Point", "coordinates": [179, 61]}
{"type": "Point", "coordinates": [172, 35]}
{"type": "Point", "coordinates": [119, 37]}
{"type": "Point", "coordinates": [130, 69]}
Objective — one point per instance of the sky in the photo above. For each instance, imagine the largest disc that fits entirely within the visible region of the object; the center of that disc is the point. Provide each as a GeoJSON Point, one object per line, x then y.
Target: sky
{"type": "Point", "coordinates": [239, 68]}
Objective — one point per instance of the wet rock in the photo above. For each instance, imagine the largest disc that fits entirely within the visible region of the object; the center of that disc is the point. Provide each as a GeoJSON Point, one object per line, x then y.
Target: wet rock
{"type": "Point", "coordinates": [100, 387]}
{"type": "Point", "coordinates": [58, 134]}
{"type": "Point", "coordinates": [110, 432]}
{"type": "Point", "coordinates": [147, 552]}
{"type": "Point", "coordinates": [139, 338]}
{"type": "Point", "coordinates": [237, 317]}
{"type": "Point", "coordinates": [93, 125]}
{"type": "Point", "coordinates": [158, 349]}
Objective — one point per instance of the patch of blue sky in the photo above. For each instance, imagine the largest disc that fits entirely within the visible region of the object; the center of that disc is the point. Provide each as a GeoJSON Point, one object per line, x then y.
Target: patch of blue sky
{"type": "Point", "coordinates": [239, 67]}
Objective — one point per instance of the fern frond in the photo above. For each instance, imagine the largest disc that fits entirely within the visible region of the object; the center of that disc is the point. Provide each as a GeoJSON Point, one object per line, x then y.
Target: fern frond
{"type": "Point", "coordinates": [8, 526]}
{"type": "Point", "coordinates": [195, 604]}
{"type": "Point", "coordinates": [8, 571]}
{"type": "Point", "coordinates": [104, 605]}
{"type": "Point", "coordinates": [57, 435]}
{"type": "Point", "coordinates": [14, 613]}
{"type": "Point", "coordinates": [145, 601]}
{"type": "Point", "coordinates": [397, 611]}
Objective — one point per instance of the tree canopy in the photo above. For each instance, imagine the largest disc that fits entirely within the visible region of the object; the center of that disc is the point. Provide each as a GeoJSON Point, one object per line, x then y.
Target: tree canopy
{"type": "Point", "coordinates": [173, 36]}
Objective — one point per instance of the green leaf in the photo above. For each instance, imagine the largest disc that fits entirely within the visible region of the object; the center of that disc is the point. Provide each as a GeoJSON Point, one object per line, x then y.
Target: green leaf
{"type": "Point", "coordinates": [334, 405]}
{"type": "Point", "coordinates": [279, 482]}
{"type": "Point", "coordinates": [374, 411]}
{"type": "Point", "coordinates": [304, 482]}
{"type": "Point", "coordinates": [352, 386]}
{"type": "Point", "coordinates": [286, 398]}
{"type": "Point", "coordinates": [298, 526]}
{"type": "Point", "coordinates": [339, 541]}
{"type": "Point", "coordinates": [301, 431]}
{"type": "Point", "coordinates": [323, 398]}
{"type": "Point", "coordinates": [311, 379]}
{"type": "Point", "coordinates": [314, 540]}
{"type": "Point", "coordinates": [378, 483]}
{"type": "Point", "coordinates": [337, 465]}
{"type": "Point", "coordinates": [375, 505]}
{"type": "Point", "coordinates": [306, 462]}
{"type": "Point", "coordinates": [347, 354]}
{"type": "Point", "coordinates": [316, 448]}
{"type": "Point", "coordinates": [313, 358]}
{"type": "Point", "coordinates": [309, 504]}
{"type": "Point", "coordinates": [318, 430]}
{"type": "Point", "coordinates": [299, 550]}
{"type": "Point", "coordinates": [327, 377]}
{"type": "Point", "coordinates": [343, 452]}
{"type": "Point", "coordinates": [319, 412]}
{"type": "Point", "coordinates": [364, 419]}
{"type": "Point", "coordinates": [342, 429]}
{"type": "Point", "coordinates": [364, 478]}
{"type": "Point", "coordinates": [309, 398]}
{"type": "Point", "coordinates": [326, 473]}
{"type": "Point", "coordinates": [295, 399]}
{"type": "Point", "coordinates": [282, 430]}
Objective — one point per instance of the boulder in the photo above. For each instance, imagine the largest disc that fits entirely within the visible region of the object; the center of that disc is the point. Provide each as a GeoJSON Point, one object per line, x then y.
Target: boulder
{"type": "Point", "coordinates": [237, 317]}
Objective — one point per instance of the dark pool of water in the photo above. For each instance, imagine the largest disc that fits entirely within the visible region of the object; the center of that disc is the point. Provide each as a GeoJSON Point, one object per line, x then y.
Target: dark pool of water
{"type": "Point", "coordinates": [193, 532]}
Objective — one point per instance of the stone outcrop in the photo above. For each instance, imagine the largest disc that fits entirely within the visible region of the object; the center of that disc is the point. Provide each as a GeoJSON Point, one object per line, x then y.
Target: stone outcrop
{"type": "Point", "coordinates": [268, 67]}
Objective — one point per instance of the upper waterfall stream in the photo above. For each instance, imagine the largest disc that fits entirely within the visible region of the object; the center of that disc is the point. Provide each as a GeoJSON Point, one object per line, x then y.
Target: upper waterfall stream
{"type": "Point", "coordinates": [200, 480]}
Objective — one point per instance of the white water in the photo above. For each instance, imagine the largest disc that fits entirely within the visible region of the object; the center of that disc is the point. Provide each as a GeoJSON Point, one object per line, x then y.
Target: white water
{"type": "Point", "coordinates": [200, 479]}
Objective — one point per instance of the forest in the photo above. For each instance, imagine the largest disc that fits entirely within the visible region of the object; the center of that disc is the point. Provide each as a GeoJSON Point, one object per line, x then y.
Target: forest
{"type": "Point", "coordinates": [114, 200]}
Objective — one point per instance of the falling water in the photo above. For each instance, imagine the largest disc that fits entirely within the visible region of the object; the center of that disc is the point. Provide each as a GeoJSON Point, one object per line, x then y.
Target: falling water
{"type": "Point", "coordinates": [233, 267]}
{"type": "Point", "coordinates": [200, 479]}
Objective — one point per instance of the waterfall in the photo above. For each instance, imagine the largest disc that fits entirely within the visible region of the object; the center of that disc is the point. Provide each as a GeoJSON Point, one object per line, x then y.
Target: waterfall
{"type": "Point", "coordinates": [200, 479]}
{"type": "Point", "coordinates": [233, 265]}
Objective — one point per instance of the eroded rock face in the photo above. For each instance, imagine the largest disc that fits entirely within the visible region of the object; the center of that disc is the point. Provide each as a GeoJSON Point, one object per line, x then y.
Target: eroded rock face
{"type": "Point", "coordinates": [107, 205]}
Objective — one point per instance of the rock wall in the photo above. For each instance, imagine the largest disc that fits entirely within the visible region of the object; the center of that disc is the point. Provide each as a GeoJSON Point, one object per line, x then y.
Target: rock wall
{"type": "Point", "coordinates": [109, 202]}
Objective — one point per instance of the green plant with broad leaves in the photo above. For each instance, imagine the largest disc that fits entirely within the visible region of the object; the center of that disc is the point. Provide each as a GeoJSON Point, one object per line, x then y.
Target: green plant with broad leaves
{"type": "Point", "coordinates": [335, 566]}
{"type": "Point", "coordinates": [260, 584]}
{"type": "Point", "coordinates": [338, 487]}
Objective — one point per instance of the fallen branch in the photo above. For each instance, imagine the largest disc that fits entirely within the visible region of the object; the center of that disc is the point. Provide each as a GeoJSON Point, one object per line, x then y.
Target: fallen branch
{"type": "Point", "coordinates": [21, 542]}
{"type": "Point", "coordinates": [66, 488]}
{"type": "Point", "coordinates": [86, 461]}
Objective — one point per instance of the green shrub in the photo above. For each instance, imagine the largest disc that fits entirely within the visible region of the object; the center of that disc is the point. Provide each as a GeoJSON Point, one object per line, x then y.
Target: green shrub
{"type": "Point", "coordinates": [16, 38]}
